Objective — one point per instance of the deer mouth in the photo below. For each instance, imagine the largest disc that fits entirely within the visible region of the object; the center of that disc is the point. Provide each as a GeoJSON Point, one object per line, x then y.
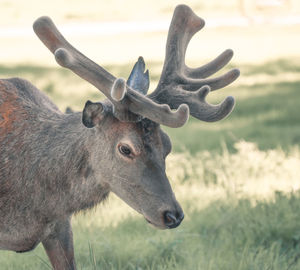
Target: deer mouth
{"type": "Point", "coordinates": [149, 221]}
{"type": "Point", "coordinates": [156, 226]}
{"type": "Point", "coordinates": [170, 220]}
{"type": "Point", "coordinates": [160, 226]}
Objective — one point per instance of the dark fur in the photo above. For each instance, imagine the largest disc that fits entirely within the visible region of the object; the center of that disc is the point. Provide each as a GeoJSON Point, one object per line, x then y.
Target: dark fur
{"type": "Point", "coordinates": [52, 165]}
{"type": "Point", "coordinates": [44, 166]}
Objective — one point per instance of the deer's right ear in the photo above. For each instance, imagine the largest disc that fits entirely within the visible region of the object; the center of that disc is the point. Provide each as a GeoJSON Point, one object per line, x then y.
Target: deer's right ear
{"type": "Point", "coordinates": [92, 114]}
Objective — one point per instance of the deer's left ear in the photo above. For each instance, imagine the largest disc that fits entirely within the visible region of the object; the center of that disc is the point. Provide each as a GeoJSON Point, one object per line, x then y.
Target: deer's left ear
{"type": "Point", "coordinates": [92, 114]}
{"type": "Point", "coordinates": [138, 78]}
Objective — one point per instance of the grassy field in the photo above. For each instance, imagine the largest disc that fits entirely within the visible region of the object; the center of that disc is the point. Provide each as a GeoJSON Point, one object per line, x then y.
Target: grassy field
{"type": "Point", "coordinates": [242, 212]}
{"type": "Point", "coordinates": [237, 179]}
{"type": "Point", "coordinates": [18, 12]}
{"type": "Point", "coordinates": [267, 101]}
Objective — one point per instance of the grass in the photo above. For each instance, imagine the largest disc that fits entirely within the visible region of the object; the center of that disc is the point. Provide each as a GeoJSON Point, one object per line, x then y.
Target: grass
{"type": "Point", "coordinates": [232, 222]}
{"type": "Point", "coordinates": [237, 180]}
{"type": "Point", "coordinates": [17, 12]}
{"type": "Point", "coordinates": [267, 101]}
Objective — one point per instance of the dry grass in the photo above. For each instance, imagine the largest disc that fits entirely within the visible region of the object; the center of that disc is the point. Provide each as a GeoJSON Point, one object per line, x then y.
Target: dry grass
{"type": "Point", "coordinates": [241, 202]}
{"type": "Point", "coordinates": [241, 213]}
{"type": "Point", "coordinates": [199, 180]}
{"type": "Point", "coordinates": [18, 12]}
{"type": "Point", "coordinates": [251, 43]}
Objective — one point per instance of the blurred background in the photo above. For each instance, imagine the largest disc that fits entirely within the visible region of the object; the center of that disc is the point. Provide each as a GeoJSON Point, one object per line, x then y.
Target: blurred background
{"type": "Point", "coordinates": [237, 179]}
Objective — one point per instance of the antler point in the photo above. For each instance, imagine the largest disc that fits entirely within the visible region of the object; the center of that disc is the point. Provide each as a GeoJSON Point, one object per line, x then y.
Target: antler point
{"type": "Point", "coordinates": [118, 89]}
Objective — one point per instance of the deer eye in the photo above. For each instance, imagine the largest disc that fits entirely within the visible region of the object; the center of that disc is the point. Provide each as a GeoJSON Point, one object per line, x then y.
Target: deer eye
{"type": "Point", "coordinates": [125, 150]}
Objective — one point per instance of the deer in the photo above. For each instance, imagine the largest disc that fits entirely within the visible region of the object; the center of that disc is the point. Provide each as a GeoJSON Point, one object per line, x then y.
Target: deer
{"type": "Point", "coordinates": [53, 164]}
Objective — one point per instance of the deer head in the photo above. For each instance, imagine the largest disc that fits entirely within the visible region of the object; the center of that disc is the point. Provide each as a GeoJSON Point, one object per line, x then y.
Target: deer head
{"type": "Point", "coordinates": [129, 120]}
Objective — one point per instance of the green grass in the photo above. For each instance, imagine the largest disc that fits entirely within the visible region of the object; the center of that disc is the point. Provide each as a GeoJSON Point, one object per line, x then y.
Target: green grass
{"type": "Point", "coordinates": [240, 198]}
{"type": "Point", "coordinates": [266, 111]}
{"type": "Point", "coordinates": [228, 234]}
{"type": "Point", "coordinates": [231, 235]}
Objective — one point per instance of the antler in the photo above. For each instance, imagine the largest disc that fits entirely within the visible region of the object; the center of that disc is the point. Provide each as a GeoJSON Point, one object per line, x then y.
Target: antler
{"type": "Point", "coordinates": [180, 84]}
{"type": "Point", "coordinates": [128, 104]}
{"type": "Point", "coordinates": [179, 87]}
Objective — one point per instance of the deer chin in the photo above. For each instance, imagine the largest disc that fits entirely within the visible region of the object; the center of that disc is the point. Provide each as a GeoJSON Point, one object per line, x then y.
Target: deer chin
{"type": "Point", "coordinates": [155, 225]}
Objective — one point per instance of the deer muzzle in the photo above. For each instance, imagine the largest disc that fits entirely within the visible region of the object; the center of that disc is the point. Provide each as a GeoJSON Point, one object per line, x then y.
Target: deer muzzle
{"type": "Point", "coordinates": [173, 219]}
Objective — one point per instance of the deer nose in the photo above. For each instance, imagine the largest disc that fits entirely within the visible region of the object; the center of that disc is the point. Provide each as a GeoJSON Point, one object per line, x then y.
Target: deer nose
{"type": "Point", "coordinates": [172, 219]}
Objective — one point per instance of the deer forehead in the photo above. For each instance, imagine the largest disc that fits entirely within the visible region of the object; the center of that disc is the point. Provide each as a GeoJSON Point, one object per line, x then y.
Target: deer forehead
{"type": "Point", "coordinates": [138, 135]}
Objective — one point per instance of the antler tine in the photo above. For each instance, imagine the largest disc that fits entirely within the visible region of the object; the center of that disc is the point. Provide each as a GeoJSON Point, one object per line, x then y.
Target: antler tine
{"type": "Point", "coordinates": [211, 67]}
{"type": "Point", "coordinates": [128, 104]}
{"type": "Point", "coordinates": [185, 23]}
{"type": "Point", "coordinates": [180, 84]}
{"type": "Point", "coordinates": [67, 56]}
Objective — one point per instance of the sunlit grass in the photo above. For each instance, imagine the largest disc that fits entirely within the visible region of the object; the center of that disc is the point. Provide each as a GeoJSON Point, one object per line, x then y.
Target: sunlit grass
{"type": "Point", "coordinates": [237, 180]}
{"type": "Point", "coordinates": [241, 213]}
{"type": "Point", "coordinates": [266, 113]}
{"type": "Point", "coordinates": [13, 10]}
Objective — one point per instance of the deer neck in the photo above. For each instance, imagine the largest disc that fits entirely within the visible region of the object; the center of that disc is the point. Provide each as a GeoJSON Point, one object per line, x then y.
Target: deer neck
{"type": "Point", "coordinates": [79, 185]}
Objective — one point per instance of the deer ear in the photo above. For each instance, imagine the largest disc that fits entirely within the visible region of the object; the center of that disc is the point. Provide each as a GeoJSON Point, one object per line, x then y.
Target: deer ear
{"type": "Point", "coordinates": [92, 114]}
{"type": "Point", "coordinates": [138, 78]}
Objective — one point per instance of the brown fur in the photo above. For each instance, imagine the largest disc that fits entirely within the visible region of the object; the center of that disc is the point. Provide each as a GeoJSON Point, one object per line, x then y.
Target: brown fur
{"type": "Point", "coordinates": [52, 166]}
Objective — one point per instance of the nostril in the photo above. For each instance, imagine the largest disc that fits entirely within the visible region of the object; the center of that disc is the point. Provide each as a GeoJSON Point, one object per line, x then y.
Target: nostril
{"type": "Point", "coordinates": [172, 220]}
{"type": "Point", "coordinates": [169, 218]}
